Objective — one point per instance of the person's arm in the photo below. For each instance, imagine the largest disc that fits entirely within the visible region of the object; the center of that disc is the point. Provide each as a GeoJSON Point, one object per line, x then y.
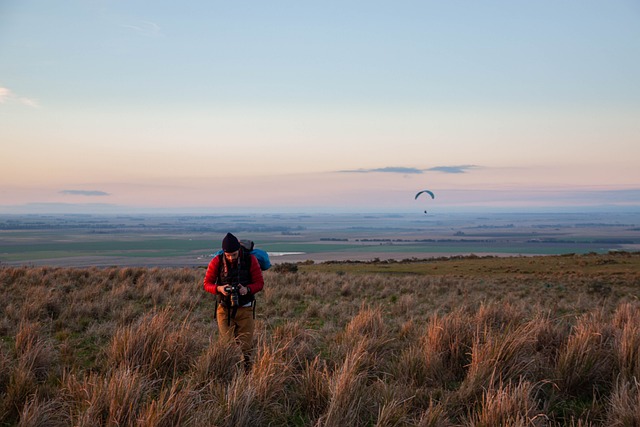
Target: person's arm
{"type": "Point", "coordinates": [257, 281]}
{"type": "Point", "coordinates": [211, 277]}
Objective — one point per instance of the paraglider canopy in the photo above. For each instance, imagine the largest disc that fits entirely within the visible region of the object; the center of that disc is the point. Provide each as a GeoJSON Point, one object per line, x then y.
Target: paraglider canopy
{"type": "Point", "coordinates": [425, 191]}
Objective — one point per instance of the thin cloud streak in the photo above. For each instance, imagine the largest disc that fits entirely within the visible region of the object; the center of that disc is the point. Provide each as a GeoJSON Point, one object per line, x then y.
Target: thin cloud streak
{"type": "Point", "coordinates": [144, 28]}
{"type": "Point", "coordinates": [452, 169]}
{"type": "Point", "coordinates": [389, 169]}
{"type": "Point", "coordinates": [408, 170]}
{"type": "Point", "coordinates": [85, 193]}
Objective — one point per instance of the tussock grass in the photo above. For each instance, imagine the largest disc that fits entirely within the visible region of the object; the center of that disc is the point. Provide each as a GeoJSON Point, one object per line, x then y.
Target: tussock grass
{"type": "Point", "coordinates": [156, 345]}
{"type": "Point", "coordinates": [269, 377]}
{"type": "Point", "coordinates": [218, 363]}
{"type": "Point", "coordinates": [312, 387]}
{"type": "Point", "coordinates": [504, 356]}
{"type": "Point", "coordinates": [586, 362]}
{"type": "Point", "coordinates": [34, 362]}
{"type": "Point", "coordinates": [44, 413]}
{"type": "Point", "coordinates": [624, 404]}
{"type": "Point", "coordinates": [627, 322]}
{"type": "Point", "coordinates": [114, 398]}
{"type": "Point", "coordinates": [511, 404]}
{"type": "Point", "coordinates": [34, 353]}
{"type": "Point", "coordinates": [135, 346]}
{"type": "Point", "coordinates": [434, 416]}
{"type": "Point", "coordinates": [350, 399]}
{"type": "Point", "coordinates": [446, 347]}
{"type": "Point", "coordinates": [175, 406]}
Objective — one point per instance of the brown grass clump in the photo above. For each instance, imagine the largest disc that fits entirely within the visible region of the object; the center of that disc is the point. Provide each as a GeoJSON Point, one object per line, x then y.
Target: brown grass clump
{"type": "Point", "coordinates": [392, 403]}
{"type": "Point", "coordinates": [219, 363]}
{"type": "Point", "coordinates": [43, 413]}
{"type": "Point", "coordinates": [239, 405]}
{"type": "Point", "coordinates": [367, 334]}
{"type": "Point", "coordinates": [34, 353]}
{"type": "Point", "coordinates": [22, 385]}
{"type": "Point", "coordinates": [312, 387]}
{"type": "Point", "coordinates": [502, 356]}
{"type": "Point", "coordinates": [626, 320]}
{"type": "Point", "coordinates": [511, 404]}
{"type": "Point", "coordinates": [297, 343]}
{"type": "Point", "coordinates": [34, 361]}
{"type": "Point", "coordinates": [155, 345]}
{"type": "Point", "coordinates": [440, 355]}
{"type": "Point", "coordinates": [175, 406]}
{"type": "Point", "coordinates": [114, 398]}
{"type": "Point", "coordinates": [624, 404]}
{"type": "Point", "coordinates": [269, 378]}
{"type": "Point", "coordinates": [586, 361]}
{"type": "Point", "coordinates": [434, 416]}
{"type": "Point", "coordinates": [446, 346]}
{"type": "Point", "coordinates": [350, 399]}
{"type": "Point", "coordinates": [5, 369]}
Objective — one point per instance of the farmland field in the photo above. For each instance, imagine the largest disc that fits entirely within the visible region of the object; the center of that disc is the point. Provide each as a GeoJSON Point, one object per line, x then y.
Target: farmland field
{"type": "Point", "coordinates": [189, 240]}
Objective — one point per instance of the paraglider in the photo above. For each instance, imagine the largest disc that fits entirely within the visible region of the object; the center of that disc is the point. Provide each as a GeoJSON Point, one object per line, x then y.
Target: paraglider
{"type": "Point", "coordinates": [427, 192]}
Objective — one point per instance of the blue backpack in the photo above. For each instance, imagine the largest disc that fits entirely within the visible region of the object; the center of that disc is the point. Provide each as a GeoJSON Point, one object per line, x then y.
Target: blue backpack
{"type": "Point", "coordinates": [262, 256]}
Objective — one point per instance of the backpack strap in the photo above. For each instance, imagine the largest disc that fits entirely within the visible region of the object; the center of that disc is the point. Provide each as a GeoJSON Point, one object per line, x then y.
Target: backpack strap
{"type": "Point", "coordinates": [220, 261]}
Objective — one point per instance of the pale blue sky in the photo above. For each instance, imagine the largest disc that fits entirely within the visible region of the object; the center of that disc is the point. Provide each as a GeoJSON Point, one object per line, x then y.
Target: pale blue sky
{"type": "Point", "coordinates": [147, 103]}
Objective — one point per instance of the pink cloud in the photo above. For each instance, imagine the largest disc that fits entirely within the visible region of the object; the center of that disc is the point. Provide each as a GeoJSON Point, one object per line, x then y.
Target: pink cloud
{"type": "Point", "coordinates": [7, 96]}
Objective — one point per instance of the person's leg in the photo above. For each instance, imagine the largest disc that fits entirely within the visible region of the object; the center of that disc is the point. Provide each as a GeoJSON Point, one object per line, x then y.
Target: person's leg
{"type": "Point", "coordinates": [225, 328]}
{"type": "Point", "coordinates": [245, 326]}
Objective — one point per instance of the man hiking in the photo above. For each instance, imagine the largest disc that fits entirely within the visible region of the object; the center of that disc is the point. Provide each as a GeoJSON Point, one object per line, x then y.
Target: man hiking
{"type": "Point", "coordinates": [235, 277]}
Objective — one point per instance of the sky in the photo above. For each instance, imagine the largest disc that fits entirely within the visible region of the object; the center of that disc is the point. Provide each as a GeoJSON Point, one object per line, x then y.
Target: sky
{"type": "Point", "coordinates": [317, 106]}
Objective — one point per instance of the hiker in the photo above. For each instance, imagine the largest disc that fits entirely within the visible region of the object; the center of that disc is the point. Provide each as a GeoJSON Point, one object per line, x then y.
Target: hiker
{"type": "Point", "coordinates": [234, 277]}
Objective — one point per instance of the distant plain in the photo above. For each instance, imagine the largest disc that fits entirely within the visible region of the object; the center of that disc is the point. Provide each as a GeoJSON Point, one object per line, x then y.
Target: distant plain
{"type": "Point", "coordinates": [190, 240]}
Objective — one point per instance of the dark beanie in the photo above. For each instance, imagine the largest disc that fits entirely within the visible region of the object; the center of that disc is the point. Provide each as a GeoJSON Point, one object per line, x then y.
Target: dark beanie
{"type": "Point", "coordinates": [230, 243]}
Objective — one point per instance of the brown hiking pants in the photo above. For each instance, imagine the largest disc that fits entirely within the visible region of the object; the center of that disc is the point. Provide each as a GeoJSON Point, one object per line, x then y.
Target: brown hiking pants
{"type": "Point", "coordinates": [240, 328]}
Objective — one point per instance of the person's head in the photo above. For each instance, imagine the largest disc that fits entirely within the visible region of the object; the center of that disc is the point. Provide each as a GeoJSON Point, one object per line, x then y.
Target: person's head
{"type": "Point", "coordinates": [230, 247]}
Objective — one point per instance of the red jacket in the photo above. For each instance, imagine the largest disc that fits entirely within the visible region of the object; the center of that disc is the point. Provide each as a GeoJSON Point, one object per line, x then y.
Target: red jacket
{"type": "Point", "coordinates": [210, 278]}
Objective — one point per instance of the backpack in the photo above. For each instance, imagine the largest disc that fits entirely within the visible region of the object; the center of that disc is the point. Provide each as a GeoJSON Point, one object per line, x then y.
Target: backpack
{"type": "Point", "coordinates": [261, 256]}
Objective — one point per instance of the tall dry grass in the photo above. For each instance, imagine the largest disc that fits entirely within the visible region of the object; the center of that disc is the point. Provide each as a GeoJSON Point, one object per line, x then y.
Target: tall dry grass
{"type": "Point", "coordinates": [586, 361]}
{"type": "Point", "coordinates": [624, 404]}
{"type": "Point", "coordinates": [114, 398]}
{"type": "Point", "coordinates": [135, 346]}
{"type": "Point", "coordinates": [155, 345]}
{"type": "Point", "coordinates": [512, 404]}
{"type": "Point", "coordinates": [350, 399]}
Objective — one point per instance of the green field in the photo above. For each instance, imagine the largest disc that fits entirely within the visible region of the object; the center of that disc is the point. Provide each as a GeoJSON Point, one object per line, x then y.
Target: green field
{"type": "Point", "coordinates": [158, 248]}
{"type": "Point", "coordinates": [69, 240]}
{"type": "Point", "coordinates": [166, 248]}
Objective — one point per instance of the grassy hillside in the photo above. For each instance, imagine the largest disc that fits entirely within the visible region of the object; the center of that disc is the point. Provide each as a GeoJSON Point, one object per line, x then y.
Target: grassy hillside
{"type": "Point", "coordinates": [614, 263]}
{"type": "Point", "coordinates": [542, 341]}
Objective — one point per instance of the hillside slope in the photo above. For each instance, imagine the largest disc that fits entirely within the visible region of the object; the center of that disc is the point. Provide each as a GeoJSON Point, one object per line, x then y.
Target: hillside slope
{"type": "Point", "coordinates": [545, 341]}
